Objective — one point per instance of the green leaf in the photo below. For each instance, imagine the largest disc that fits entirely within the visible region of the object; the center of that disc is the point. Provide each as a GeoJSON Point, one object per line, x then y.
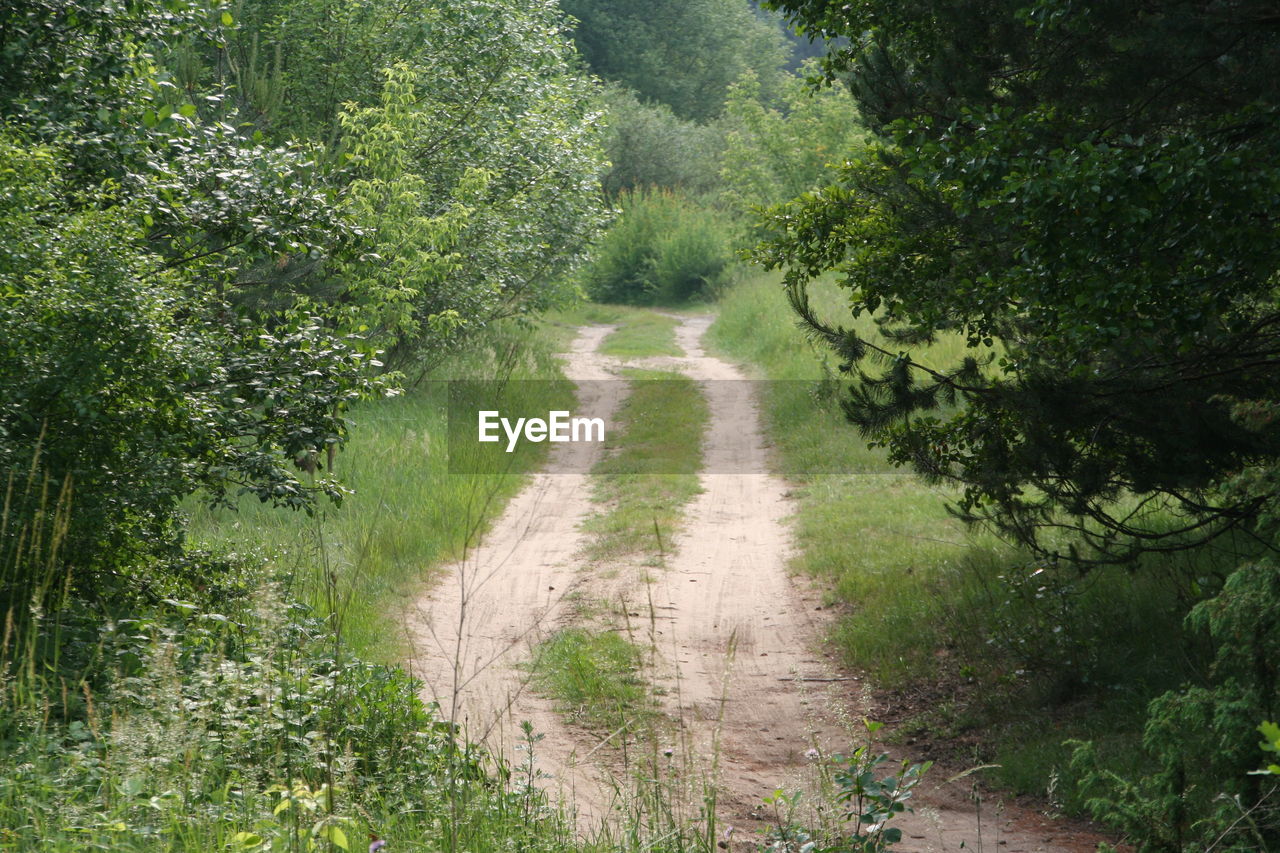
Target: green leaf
{"type": "Point", "coordinates": [227, 20]}
{"type": "Point", "coordinates": [1271, 732]}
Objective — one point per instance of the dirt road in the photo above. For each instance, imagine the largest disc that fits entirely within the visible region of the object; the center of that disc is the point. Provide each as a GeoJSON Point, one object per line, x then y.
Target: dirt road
{"type": "Point", "coordinates": [744, 685]}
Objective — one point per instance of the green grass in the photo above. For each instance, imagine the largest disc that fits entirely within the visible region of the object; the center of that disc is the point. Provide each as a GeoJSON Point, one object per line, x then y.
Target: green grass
{"type": "Point", "coordinates": [595, 676]}
{"type": "Point", "coordinates": [408, 515]}
{"type": "Point", "coordinates": [1021, 662]}
{"type": "Point", "coordinates": [641, 333]}
{"type": "Point", "coordinates": [650, 468]}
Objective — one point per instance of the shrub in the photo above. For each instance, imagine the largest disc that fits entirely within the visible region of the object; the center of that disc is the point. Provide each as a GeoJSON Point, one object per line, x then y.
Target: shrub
{"type": "Point", "coordinates": [663, 248]}
{"type": "Point", "coordinates": [189, 728]}
{"type": "Point", "coordinates": [1202, 794]}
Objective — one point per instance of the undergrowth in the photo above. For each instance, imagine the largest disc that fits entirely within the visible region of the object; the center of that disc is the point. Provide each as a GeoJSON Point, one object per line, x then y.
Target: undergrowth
{"type": "Point", "coordinates": [245, 727]}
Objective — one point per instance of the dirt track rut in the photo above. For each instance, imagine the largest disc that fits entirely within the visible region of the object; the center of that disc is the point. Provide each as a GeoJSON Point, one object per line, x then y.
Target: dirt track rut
{"type": "Point", "coordinates": [744, 685]}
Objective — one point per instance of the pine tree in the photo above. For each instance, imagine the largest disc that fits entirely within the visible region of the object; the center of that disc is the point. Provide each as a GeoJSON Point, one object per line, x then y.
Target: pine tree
{"type": "Point", "coordinates": [1087, 193]}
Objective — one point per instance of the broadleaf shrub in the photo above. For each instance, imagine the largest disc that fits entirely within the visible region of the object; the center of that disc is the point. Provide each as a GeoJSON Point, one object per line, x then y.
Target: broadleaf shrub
{"type": "Point", "coordinates": [1203, 738]}
{"type": "Point", "coordinates": [662, 248]}
{"type": "Point", "coordinates": [188, 721]}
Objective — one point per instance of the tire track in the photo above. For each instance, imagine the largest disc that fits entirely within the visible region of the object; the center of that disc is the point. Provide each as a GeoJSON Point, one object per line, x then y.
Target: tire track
{"type": "Point", "coordinates": [744, 686]}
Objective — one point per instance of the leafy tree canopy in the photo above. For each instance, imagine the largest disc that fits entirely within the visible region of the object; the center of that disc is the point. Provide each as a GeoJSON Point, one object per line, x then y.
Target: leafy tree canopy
{"type": "Point", "coordinates": [1086, 193]}
{"type": "Point", "coordinates": [772, 154]}
{"type": "Point", "coordinates": [682, 53]}
{"type": "Point", "coordinates": [466, 140]}
{"type": "Point", "coordinates": [212, 221]}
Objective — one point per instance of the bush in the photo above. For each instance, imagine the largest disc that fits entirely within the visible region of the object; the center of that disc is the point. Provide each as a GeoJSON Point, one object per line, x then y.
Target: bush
{"type": "Point", "coordinates": [1203, 738]}
{"type": "Point", "coordinates": [663, 248]}
{"type": "Point", "coordinates": [190, 727]}
{"type": "Point", "coordinates": [126, 385]}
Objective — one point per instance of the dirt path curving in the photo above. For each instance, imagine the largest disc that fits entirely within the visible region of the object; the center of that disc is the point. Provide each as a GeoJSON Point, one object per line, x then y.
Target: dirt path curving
{"type": "Point", "coordinates": [744, 685]}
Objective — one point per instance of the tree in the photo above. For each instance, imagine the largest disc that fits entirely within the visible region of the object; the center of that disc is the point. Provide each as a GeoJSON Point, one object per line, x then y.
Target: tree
{"type": "Point", "coordinates": [1087, 194]}
{"type": "Point", "coordinates": [125, 386]}
{"type": "Point", "coordinates": [472, 115]}
{"type": "Point", "coordinates": [676, 52]}
{"type": "Point", "coordinates": [127, 379]}
{"type": "Point", "coordinates": [650, 146]}
{"type": "Point", "coordinates": [773, 154]}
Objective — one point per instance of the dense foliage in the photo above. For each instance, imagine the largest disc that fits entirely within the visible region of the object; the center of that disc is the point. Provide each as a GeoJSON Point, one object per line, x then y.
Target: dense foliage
{"type": "Point", "coordinates": [129, 381]}
{"type": "Point", "coordinates": [650, 146]}
{"type": "Point", "coordinates": [219, 226]}
{"type": "Point", "coordinates": [1085, 194]}
{"type": "Point", "coordinates": [664, 249]}
{"type": "Point", "coordinates": [192, 728]}
{"type": "Point", "coordinates": [469, 141]}
{"type": "Point", "coordinates": [203, 249]}
{"type": "Point", "coordinates": [773, 153]}
{"type": "Point", "coordinates": [676, 52]}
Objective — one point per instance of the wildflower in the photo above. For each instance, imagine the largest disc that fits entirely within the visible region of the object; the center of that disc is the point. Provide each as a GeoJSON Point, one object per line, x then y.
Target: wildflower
{"type": "Point", "coordinates": [377, 845]}
{"type": "Point", "coordinates": [668, 752]}
{"type": "Point", "coordinates": [812, 754]}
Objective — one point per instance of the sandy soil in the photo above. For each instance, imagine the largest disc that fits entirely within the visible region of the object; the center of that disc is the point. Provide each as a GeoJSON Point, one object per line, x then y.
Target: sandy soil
{"type": "Point", "coordinates": [745, 685]}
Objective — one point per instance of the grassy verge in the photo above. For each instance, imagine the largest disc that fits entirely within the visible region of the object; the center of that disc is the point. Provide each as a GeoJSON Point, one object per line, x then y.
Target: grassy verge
{"type": "Point", "coordinates": [407, 514]}
{"type": "Point", "coordinates": [992, 660]}
{"type": "Point", "coordinates": [650, 469]}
